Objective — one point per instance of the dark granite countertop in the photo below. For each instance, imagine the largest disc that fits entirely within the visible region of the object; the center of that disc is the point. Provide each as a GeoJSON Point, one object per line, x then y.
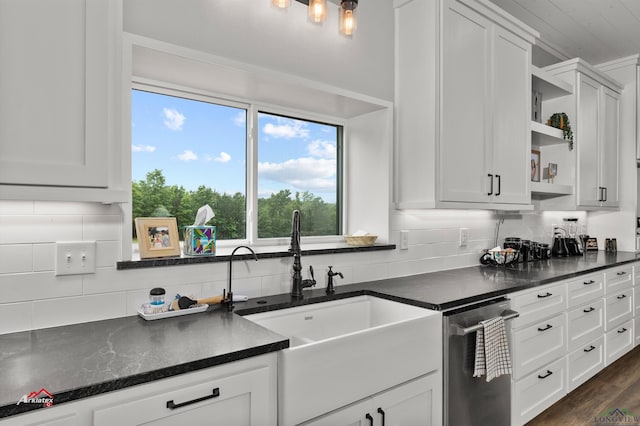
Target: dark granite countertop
{"type": "Point", "coordinates": [80, 360]}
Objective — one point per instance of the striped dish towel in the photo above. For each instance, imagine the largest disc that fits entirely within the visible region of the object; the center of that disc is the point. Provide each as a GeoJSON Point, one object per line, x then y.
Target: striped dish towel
{"type": "Point", "coordinates": [492, 350]}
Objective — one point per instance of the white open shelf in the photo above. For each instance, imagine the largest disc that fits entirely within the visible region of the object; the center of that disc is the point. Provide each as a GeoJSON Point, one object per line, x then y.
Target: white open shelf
{"type": "Point", "coordinates": [548, 190]}
{"type": "Point", "coordinates": [549, 85]}
{"type": "Point", "coordinates": [544, 135]}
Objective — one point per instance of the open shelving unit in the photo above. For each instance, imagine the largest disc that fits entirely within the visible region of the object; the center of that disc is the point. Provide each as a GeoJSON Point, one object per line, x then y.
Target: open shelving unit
{"type": "Point", "coordinates": [542, 135]}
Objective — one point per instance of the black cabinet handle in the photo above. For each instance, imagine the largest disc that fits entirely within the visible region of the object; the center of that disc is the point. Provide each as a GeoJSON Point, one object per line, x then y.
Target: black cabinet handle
{"type": "Point", "coordinates": [499, 184]}
{"type": "Point", "coordinates": [622, 330]}
{"type": "Point", "coordinates": [381, 412]}
{"type": "Point", "coordinates": [590, 348]}
{"type": "Point", "coordinates": [600, 193]}
{"type": "Point", "coordinates": [591, 309]}
{"type": "Point", "coordinates": [172, 406]}
{"type": "Point", "coordinates": [588, 282]}
{"type": "Point", "coordinates": [622, 296]}
{"type": "Point", "coordinates": [368, 417]}
{"type": "Point", "coordinates": [549, 372]}
{"type": "Point", "coordinates": [621, 273]}
{"type": "Point", "coordinates": [490, 180]}
{"type": "Point", "coordinates": [542, 296]}
{"type": "Point", "coordinates": [546, 328]}
{"type": "Point", "coordinates": [604, 191]}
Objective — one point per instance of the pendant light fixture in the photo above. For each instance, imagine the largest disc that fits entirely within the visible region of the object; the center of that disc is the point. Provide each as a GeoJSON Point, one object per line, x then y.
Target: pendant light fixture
{"type": "Point", "coordinates": [348, 17]}
{"type": "Point", "coordinates": [317, 11]}
{"type": "Point", "coordinates": [282, 4]}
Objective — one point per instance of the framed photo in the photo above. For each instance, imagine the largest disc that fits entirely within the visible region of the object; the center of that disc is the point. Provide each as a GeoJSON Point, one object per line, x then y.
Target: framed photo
{"type": "Point", "coordinates": [157, 237]}
{"type": "Point", "coordinates": [535, 165]}
{"type": "Point", "coordinates": [592, 244]}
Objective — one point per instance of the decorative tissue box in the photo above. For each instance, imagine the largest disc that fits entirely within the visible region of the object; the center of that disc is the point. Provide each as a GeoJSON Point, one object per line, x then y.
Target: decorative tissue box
{"type": "Point", "coordinates": [199, 240]}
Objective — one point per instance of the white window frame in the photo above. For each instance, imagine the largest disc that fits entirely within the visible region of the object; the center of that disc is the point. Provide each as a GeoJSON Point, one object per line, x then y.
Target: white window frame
{"type": "Point", "coordinates": [253, 108]}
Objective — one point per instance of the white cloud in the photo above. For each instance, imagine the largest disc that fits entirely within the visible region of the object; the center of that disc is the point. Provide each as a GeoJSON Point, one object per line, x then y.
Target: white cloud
{"type": "Point", "coordinates": [305, 174]}
{"type": "Point", "coordinates": [223, 158]}
{"type": "Point", "coordinates": [240, 119]}
{"type": "Point", "coordinates": [142, 148]}
{"type": "Point", "coordinates": [287, 128]}
{"type": "Point", "coordinates": [188, 155]}
{"type": "Point", "coordinates": [322, 149]}
{"type": "Point", "coordinates": [173, 119]}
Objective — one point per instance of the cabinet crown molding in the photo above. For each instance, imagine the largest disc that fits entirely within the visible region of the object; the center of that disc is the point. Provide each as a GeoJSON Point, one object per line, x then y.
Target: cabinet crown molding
{"type": "Point", "coordinates": [582, 66]}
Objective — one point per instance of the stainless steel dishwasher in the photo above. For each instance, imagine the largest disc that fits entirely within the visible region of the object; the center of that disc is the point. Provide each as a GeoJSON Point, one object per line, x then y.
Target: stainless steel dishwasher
{"type": "Point", "coordinates": [472, 400]}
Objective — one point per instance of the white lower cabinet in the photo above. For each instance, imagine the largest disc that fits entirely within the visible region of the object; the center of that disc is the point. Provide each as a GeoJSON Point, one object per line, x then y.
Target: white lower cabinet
{"type": "Point", "coordinates": [585, 324]}
{"type": "Point", "coordinates": [585, 362]}
{"type": "Point", "coordinates": [239, 393]}
{"type": "Point", "coordinates": [537, 344]}
{"type": "Point", "coordinates": [618, 341]}
{"type": "Point", "coordinates": [618, 308]}
{"type": "Point", "coordinates": [415, 403]}
{"type": "Point", "coordinates": [535, 392]}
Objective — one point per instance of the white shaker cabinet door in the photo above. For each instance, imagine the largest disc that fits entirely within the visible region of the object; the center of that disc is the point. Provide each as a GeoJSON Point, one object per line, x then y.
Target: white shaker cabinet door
{"type": "Point", "coordinates": [465, 148]}
{"type": "Point", "coordinates": [54, 80]}
{"type": "Point", "coordinates": [589, 193]}
{"type": "Point", "coordinates": [609, 147]}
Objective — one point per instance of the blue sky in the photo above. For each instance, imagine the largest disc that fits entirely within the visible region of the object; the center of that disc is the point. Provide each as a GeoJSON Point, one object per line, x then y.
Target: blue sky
{"type": "Point", "coordinates": [197, 143]}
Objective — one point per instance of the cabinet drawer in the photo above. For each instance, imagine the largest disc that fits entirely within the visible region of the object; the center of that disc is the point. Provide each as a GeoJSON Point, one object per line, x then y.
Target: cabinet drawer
{"type": "Point", "coordinates": [585, 324]}
{"type": "Point", "coordinates": [585, 362]}
{"type": "Point", "coordinates": [538, 344]}
{"type": "Point", "coordinates": [538, 304]}
{"type": "Point", "coordinates": [636, 301]}
{"type": "Point", "coordinates": [538, 391]}
{"type": "Point", "coordinates": [618, 341]}
{"type": "Point", "coordinates": [636, 331]}
{"type": "Point", "coordinates": [237, 399]}
{"type": "Point", "coordinates": [585, 289]}
{"type": "Point", "coordinates": [618, 308]}
{"type": "Point", "coordinates": [617, 278]}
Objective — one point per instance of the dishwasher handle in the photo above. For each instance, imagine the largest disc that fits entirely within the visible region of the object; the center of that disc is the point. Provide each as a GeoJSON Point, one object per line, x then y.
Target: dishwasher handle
{"type": "Point", "coordinates": [507, 314]}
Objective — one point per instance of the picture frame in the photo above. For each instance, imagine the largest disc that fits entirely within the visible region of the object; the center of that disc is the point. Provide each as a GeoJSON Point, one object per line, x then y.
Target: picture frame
{"type": "Point", "coordinates": [592, 244]}
{"type": "Point", "coordinates": [535, 165]}
{"type": "Point", "coordinates": [157, 237]}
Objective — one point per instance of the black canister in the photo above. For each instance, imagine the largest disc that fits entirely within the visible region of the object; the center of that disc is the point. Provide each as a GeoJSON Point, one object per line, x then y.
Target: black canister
{"type": "Point", "coordinates": [514, 243]}
{"type": "Point", "coordinates": [526, 251]}
{"type": "Point", "coordinates": [545, 251]}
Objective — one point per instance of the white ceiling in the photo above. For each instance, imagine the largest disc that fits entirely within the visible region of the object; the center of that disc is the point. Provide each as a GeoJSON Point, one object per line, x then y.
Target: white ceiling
{"type": "Point", "coordinates": [595, 30]}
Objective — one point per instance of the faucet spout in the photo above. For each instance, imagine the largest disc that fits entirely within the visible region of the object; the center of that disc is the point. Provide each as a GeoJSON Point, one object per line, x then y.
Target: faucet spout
{"type": "Point", "coordinates": [227, 297]}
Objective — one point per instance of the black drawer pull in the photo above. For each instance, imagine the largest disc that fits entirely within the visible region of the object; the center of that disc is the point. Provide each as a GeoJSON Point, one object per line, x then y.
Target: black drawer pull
{"type": "Point", "coordinates": [549, 372]}
{"type": "Point", "coordinates": [542, 296]}
{"type": "Point", "coordinates": [622, 296]}
{"type": "Point", "coordinates": [546, 328]}
{"type": "Point", "coordinates": [591, 309]}
{"type": "Point", "coordinates": [589, 282]}
{"type": "Point", "coordinates": [621, 273]}
{"type": "Point", "coordinates": [172, 406]}
{"type": "Point", "coordinates": [368, 417]}
{"type": "Point", "coordinates": [622, 330]}
{"type": "Point", "coordinates": [590, 348]}
{"type": "Point", "coordinates": [490, 180]}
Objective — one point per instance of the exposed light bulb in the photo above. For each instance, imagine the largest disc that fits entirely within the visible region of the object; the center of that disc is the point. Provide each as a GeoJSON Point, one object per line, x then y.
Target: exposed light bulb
{"type": "Point", "coordinates": [282, 4]}
{"type": "Point", "coordinates": [348, 21]}
{"type": "Point", "coordinates": [318, 11]}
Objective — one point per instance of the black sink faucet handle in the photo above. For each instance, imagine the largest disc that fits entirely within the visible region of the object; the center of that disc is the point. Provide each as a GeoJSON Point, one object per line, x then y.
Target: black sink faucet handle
{"type": "Point", "coordinates": [331, 274]}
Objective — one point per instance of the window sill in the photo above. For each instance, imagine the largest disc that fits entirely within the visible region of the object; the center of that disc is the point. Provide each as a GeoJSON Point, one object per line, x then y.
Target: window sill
{"type": "Point", "coordinates": [224, 253]}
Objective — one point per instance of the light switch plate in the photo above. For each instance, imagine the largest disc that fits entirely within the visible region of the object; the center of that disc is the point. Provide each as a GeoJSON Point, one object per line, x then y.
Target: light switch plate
{"type": "Point", "coordinates": [464, 237]}
{"type": "Point", "coordinates": [404, 240]}
{"type": "Point", "coordinates": [75, 257]}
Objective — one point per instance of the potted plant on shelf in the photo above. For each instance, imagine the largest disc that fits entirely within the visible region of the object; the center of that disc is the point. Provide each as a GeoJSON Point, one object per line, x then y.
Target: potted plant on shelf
{"type": "Point", "coordinates": [559, 120]}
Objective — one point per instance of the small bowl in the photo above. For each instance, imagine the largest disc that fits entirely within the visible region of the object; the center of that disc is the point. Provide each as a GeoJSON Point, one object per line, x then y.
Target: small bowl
{"type": "Point", "coordinates": [360, 240]}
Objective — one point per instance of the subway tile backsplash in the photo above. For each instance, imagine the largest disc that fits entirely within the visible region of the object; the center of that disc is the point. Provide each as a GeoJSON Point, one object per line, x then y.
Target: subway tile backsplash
{"type": "Point", "coordinates": [31, 296]}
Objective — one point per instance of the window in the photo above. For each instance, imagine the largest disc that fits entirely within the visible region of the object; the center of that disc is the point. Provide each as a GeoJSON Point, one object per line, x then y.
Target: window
{"type": "Point", "coordinates": [189, 150]}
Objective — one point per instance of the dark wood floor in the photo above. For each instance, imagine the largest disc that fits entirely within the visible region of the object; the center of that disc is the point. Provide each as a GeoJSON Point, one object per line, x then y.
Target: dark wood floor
{"type": "Point", "coordinates": [617, 386]}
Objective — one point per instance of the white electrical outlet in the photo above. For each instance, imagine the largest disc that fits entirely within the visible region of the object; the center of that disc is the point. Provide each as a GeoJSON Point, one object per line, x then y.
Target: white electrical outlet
{"type": "Point", "coordinates": [464, 237]}
{"type": "Point", "coordinates": [75, 258]}
{"type": "Point", "coordinates": [404, 240]}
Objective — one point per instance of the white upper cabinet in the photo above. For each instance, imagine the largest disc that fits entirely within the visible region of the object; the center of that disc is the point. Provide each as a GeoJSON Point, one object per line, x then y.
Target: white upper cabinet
{"type": "Point", "coordinates": [463, 90]}
{"type": "Point", "coordinates": [58, 85]}
{"type": "Point", "coordinates": [594, 114]}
